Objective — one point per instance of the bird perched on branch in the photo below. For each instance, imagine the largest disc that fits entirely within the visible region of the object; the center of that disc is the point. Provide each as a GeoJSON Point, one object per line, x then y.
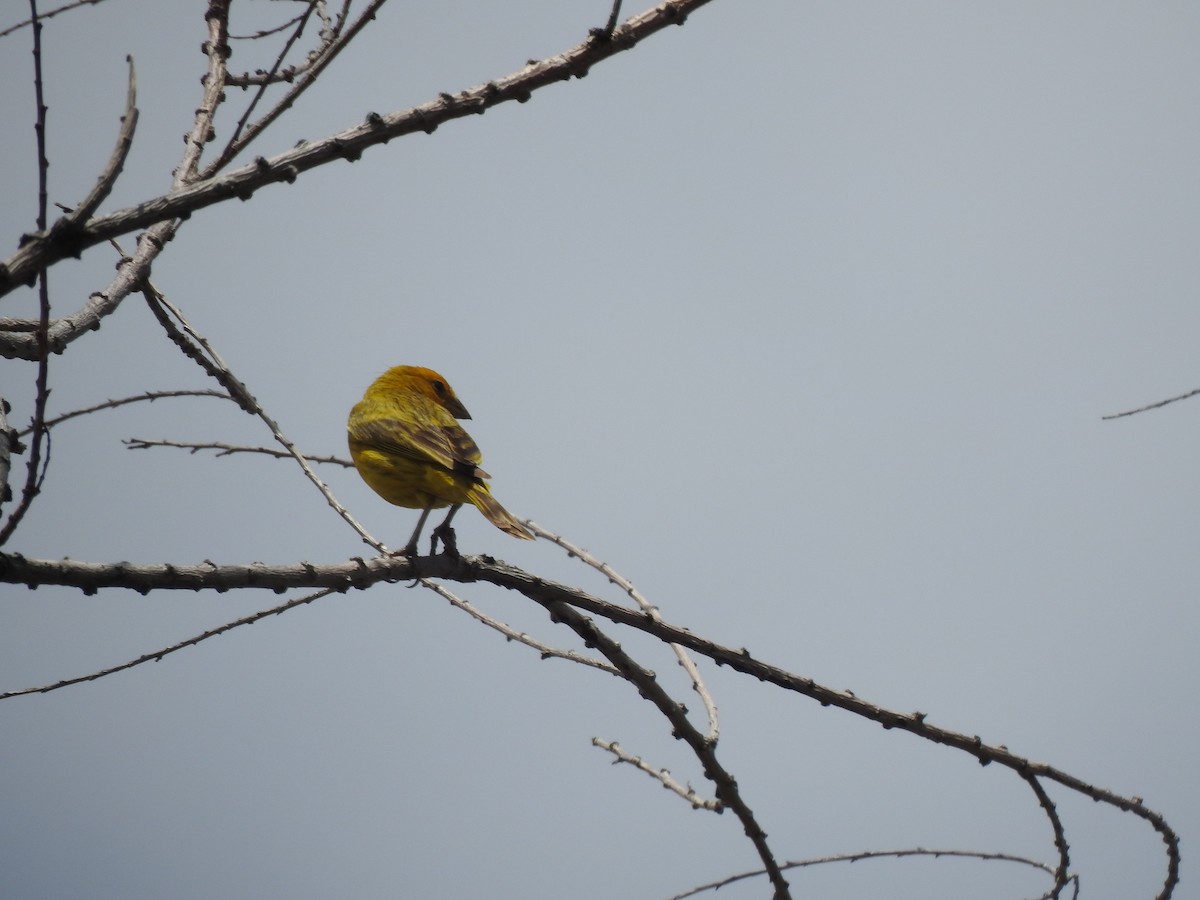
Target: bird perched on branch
{"type": "Point", "coordinates": [408, 446]}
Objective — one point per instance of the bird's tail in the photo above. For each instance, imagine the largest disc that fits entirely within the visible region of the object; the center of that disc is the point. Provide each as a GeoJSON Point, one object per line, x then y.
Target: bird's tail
{"type": "Point", "coordinates": [497, 514]}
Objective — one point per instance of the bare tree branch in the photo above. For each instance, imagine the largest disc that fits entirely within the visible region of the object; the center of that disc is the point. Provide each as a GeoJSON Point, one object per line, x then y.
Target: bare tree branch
{"type": "Point", "coordinates": [687, 792]}
{"type": "Point", "coordinates": [546, 651]}
{"type": "Point", "coordinates": [360, 573]}
{"type": "Point", "coordinates": [217, 50]}
{"type": "Point", "coordinates": [130, 272]}
{"type": "Point", "coordinates": [43, 250]}
{"type": "Point", "coordinates": [335, 43]}
{"type": "Point", "coordinates": [39, 126]}
{"type": "Point", "coordinates": [1158, 405]}
{"type": "Point", "coordinates": [150, 396]}
{"type": "Point", "coordinates": [231, 449]}
{"type": "Point", "coordinates": [116, 161]}
{"type": "Point", "coordinates": [267, 32]}
{"type": "Point", "coordinates": [49, 14]}
{"type": "Point", "coordinates": [158, 655]}
{"type": "Point", "coordinates": [1061, 873]}
{"type": "Point", "coordinates": [91, 577]}
{"type": "Point", "coordinates": [875, 854]}
{"type": "Point", "coordinates": [10, 443]}
{"type": "Point", "coordinates": [35, 467]}
{"type": "Point", "coordinates": [64, 231]}
{"type": "Point", "coordinates": [267, 79]}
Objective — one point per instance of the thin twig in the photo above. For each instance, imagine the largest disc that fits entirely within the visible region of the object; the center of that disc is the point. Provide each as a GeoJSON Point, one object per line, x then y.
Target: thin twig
{"type": "Point", "coordinates": [267, 32]}
{"type": "Point", "coordinates": [217, 50]}
{"type": "Point", "coordinates": [116, 161]}
{"type": "Point", "coordinates": [512, 634]}
{"type": "Point", "coordinates": [303, 83]}
{"type": "Point", "coordinates": [241, 183]}
{"type": "Point", "coordinates": [687, 792]}
{"type": "Point", "coordinates": [172, 648]}
{"type": "Point", "coordinates": [35, 469]}
{"type": "Point", "coordinates": [874, 854]}
{"type": "Point", "coordinates": [137, 398]}
{"type": "Point", "coordinates": [231, 449]}
{"type": "Point", "coordinates": [300, 21]}
{"type": "Point", "coordinates": [1061, 873]}
{"type": "Point", "coordinates": [1158, 405]}
{"type": "Point", "coordinates": [49, 14]}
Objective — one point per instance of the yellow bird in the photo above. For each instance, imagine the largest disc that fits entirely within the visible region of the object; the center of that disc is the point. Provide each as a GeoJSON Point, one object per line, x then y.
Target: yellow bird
{"type": "Point", "coordinates": [408, 446]}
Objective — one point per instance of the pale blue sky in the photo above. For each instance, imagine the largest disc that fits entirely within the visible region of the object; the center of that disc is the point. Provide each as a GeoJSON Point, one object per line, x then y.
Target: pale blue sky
{"type": "Point", "coordinates": [802, 316]}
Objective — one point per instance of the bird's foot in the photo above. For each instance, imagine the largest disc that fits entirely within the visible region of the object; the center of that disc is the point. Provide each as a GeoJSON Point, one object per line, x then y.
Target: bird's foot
{"type": "Point", "coordinates": [446, 534]}
{"type": "Point", "coordinates": [408, 552]}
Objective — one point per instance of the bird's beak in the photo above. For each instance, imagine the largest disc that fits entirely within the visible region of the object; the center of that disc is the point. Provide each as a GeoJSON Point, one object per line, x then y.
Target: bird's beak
{"type": "Point", "coordinates": [457, 409]}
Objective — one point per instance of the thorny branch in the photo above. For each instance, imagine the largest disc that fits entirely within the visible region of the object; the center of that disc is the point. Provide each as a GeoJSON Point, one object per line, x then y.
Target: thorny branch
{"type": "Point", "coordinates": [148, 396]}
{"type": "Point", "coordinates": [48, 14]}
{"type": "Point", "coordinates": [912, 852]}
{"type": "Point", "coordinates": [1149, 406]}
{"type": "Point", "coordinates": [333, 43]}
{"type": "Point", "coordinates": [49, 334]}
{"type": "Point", "coordinates": [687, 792]}
{"type": "Point", "coordinates": [223, 449]}
{"type": "Point", "coordinates": [74, 219]}
{"type": "Point", "coordinates": [1061, 876]}
{"type": "Point", "coordinates": [359, 573]}
{"type": "Point", "coordinates": [35, 467]}
{"type": "Point", "coordinates": [14, 344]}
{"type": "Point", "coordinates": [217, 50]}
{"type": "Point", "coordinates": [43, 250]}
{"type": "Point", "coordinates": [158, 655]}
{"type": "Point", "coordinates": [546, 651]}
{"type": "Point", "coordinates": [266, 81]}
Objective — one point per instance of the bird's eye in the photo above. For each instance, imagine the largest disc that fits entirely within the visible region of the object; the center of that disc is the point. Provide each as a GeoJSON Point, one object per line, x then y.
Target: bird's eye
{"type": "Point", "coordinates": [440, 387]}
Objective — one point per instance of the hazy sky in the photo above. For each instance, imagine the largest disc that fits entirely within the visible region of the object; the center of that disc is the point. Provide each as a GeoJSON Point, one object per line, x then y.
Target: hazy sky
{"type": "Point", "coordinates": [803, 316]}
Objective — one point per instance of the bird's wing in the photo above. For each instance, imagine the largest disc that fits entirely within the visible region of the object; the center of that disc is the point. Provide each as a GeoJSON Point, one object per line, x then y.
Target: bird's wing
{"type": "Point", "coordinates": [445, 444]}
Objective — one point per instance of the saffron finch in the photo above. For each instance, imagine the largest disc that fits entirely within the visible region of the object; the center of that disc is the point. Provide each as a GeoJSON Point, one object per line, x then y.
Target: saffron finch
{"type": "Point", "coordinates": [408, 446]}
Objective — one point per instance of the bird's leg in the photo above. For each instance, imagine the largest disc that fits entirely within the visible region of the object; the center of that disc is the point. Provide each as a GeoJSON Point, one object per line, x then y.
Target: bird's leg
{"type": "Point", "coordinates": [410, 549]}
{"type": "Point", "coordinates": [446, 534]}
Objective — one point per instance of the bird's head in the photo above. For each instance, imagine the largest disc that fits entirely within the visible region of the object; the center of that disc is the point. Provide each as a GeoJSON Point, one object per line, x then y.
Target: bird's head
{"type": "Point", "coordinates": [427, 382]}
